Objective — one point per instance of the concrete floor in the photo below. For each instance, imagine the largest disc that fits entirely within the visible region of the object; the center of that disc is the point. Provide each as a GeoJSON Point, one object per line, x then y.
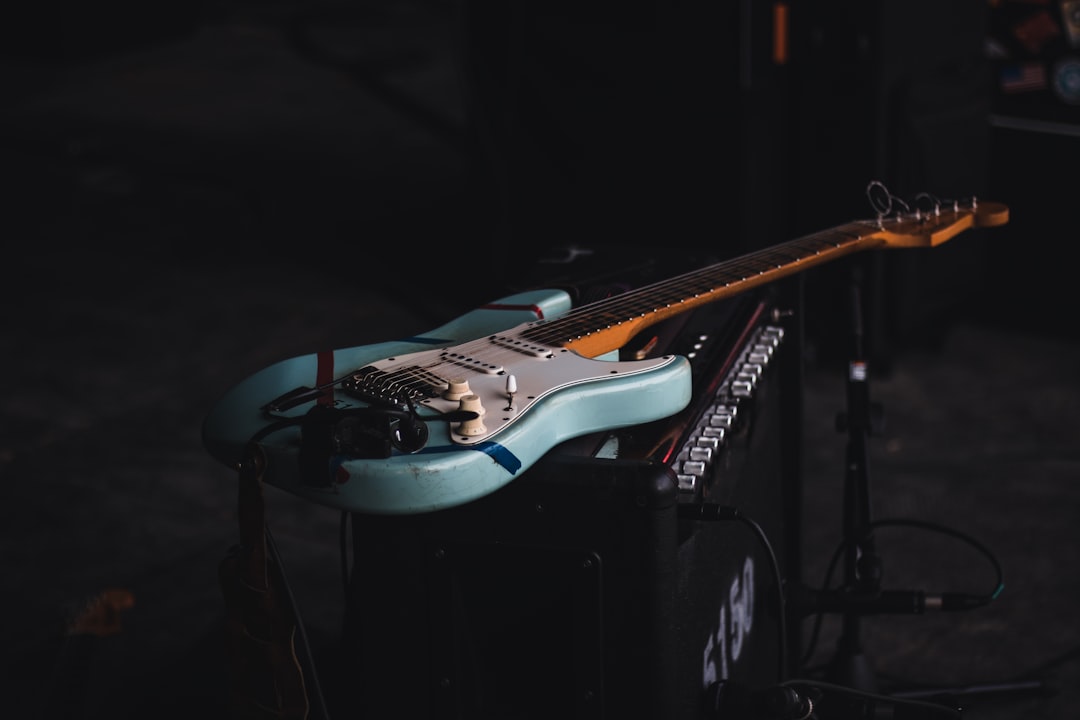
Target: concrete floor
{"type": "Point", "coordinates": [183, 214]}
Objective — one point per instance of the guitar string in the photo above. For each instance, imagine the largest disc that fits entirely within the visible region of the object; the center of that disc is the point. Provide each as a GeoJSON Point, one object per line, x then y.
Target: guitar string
{"type": "Point", "coordinates": [621, 308]}
{"type": "Point", "coordinates": [626, 306]}
{"type": "Point", "coordinates": [855, 235]}
{"type": "Point", "coordinates": [706, 281]}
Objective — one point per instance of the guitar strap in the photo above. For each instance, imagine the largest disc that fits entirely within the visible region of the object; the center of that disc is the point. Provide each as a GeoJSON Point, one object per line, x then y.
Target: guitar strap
{"type": "Point", "coordinates": [267, 680]}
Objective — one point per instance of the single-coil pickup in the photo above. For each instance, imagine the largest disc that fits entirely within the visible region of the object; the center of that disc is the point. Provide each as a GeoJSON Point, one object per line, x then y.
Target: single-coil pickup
{"type": "Point", "coordinates": [470, 362]}
{"type": "Point", "coordinates": [522, 346]}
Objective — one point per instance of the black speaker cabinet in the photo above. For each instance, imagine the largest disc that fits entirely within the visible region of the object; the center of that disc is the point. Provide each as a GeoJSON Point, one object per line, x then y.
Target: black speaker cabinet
{"type": "Point", "coordinates": [596, 585]}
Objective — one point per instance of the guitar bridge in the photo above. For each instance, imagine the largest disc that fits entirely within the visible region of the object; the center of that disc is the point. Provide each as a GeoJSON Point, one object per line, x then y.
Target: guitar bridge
{"type": "Point", "coordinates": [397, 389]}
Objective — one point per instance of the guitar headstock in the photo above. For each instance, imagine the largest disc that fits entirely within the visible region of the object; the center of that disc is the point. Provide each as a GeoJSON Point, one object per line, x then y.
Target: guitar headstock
{"type": "Point", "coordinates": [929, 228]}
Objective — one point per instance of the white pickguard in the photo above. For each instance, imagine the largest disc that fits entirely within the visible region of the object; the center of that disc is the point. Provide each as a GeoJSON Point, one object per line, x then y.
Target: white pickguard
{"type": "Point", "coordinates": [485, 366]}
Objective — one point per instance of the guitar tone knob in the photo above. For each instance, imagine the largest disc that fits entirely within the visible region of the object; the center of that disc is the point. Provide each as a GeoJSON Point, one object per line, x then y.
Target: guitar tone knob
{"type": "Point", "coordinates": [457, 389]}
{"type": "Point", "coordinates": [471, 403]}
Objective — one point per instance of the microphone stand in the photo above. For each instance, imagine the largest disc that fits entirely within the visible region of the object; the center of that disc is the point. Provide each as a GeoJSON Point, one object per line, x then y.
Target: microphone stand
{"type": "Point", "coordinates": [861, 592]}
{"type": "Point", "coordinates": [849, 665]}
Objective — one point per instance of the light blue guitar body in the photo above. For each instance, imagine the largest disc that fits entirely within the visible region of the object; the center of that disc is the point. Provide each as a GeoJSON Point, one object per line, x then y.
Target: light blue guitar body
{"type": "Point", "coordinates": [560, 395]}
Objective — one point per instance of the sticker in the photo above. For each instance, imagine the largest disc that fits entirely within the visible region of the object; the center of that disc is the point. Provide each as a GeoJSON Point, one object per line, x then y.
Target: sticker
{"type": "Point", "coordinates": [1023, 77]}
{"type": "Point", "coordinates": [1037, 31]}
{"type": "Point", "coordinates": [1070, 18]}
{"type": "Point", "coordinates": [1067, 80]}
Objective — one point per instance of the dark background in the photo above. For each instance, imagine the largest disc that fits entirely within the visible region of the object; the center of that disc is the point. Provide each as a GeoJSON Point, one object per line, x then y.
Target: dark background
{"type": "Point", "coordinates": [195, 191]}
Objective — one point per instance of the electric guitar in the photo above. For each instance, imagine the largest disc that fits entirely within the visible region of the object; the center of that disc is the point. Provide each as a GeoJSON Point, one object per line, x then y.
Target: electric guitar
{"type": "Point", "coordinates": [425, 423]}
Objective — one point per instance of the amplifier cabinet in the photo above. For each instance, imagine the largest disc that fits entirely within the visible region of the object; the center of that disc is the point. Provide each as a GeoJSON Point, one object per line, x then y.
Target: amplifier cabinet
{"type": "Point", "coordinates": [587, 588]}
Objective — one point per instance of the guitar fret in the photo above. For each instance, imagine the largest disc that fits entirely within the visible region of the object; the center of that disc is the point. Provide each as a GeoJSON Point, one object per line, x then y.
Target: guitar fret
{"type": "Point", "coordinates": [694, 287]}
{"type": "Point", "coordinates": [651, 303]}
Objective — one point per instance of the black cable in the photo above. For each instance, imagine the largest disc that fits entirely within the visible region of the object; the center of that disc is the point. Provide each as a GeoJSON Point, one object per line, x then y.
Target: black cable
{"type": "Point", "coordinates": [779, 580]}
{"type": "Point", "coordinates": [903, 522]}
{"type": "Point", "coordinates": [312, 686]}
{"type": "Point", "coordinates": [343, 533]}
{"type": "Point", "coordinates": [710, 511]}
{"type": "Point", "coordinates": [274, 427]}
{"type": "Point", "coordinates": [999, 587]}
{"type": "Point", "coordinates": [311, 678]}
{"type": "Point", "coordinates": [934, 709]}
{"type": "Point", "coordinates": [815, 631]}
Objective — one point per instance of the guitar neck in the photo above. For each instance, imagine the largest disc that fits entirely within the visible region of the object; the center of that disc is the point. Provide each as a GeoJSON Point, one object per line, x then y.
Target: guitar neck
{"type": "Point", "coordinates": [605, 326]}
{"type": "Point", "coordinates": [602, 327]}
